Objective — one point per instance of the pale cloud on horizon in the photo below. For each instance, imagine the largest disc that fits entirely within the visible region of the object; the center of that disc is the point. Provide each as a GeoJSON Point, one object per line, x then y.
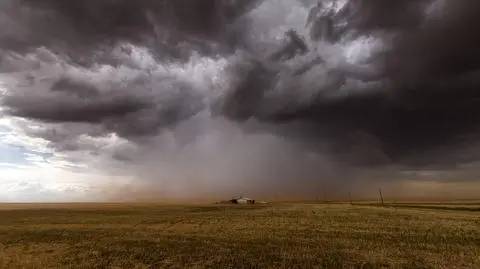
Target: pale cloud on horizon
{"type": "Point", "coordinates": [31, 171]}
{"type": "Point", "coordinates": [36, 184]}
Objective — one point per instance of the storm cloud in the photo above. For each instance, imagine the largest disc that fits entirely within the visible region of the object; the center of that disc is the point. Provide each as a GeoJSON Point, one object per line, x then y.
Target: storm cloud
{"type": "Point", "coordinates": [182, 83]}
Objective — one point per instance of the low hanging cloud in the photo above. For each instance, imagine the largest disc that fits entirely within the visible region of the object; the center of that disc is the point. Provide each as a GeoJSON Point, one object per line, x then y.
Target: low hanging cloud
{"type": "Point", "coordinates": [183, 96]}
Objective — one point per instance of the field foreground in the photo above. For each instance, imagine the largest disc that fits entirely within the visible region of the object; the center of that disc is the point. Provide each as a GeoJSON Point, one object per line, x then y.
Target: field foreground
{"type": "Point", "coordinates": [237, 236]}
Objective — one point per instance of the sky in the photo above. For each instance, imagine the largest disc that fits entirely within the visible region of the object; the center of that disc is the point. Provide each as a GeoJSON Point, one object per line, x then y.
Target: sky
{"type": "Point", "coordinates": [32, 172]}
{"type": "Point", "coordinates": [130, 100]}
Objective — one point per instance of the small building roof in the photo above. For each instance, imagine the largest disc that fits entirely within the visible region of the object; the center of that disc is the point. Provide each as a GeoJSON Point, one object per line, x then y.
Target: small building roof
{"type": "Point", "coordinates": [242, 198]}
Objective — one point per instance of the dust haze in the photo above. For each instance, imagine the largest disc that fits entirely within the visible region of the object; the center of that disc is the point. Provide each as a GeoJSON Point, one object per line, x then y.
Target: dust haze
{"type": "Point", "coordinates": [195, 99]}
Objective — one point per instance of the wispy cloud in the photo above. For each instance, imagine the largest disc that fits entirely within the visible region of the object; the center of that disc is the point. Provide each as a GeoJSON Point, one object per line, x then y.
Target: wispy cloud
{"type": "Point", "coordinates": [32, 170]}
{"type": "Point", "coordinates": [32, 184]}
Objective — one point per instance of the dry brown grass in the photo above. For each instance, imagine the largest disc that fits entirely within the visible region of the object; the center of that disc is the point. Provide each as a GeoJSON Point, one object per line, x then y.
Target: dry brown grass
{"type": "Point", "coordinates": [237, 236]}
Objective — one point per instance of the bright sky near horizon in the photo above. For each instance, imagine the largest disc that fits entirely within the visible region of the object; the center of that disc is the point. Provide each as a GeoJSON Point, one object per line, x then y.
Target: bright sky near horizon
{"type": "Point", "coordinates": [30, 171]}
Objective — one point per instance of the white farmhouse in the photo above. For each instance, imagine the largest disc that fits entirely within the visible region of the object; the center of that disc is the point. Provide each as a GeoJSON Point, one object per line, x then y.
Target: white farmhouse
{"type": "Point", "coordinates": [242, 200]}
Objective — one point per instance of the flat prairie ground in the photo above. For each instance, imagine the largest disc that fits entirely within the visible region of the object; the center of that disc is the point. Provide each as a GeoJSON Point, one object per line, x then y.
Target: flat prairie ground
{"type": "Point", "coordinates": [278, 235]}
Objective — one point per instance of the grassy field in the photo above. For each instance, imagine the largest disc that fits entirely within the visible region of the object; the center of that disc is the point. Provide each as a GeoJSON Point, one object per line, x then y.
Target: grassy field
{"type": "Point", "coordinates": [288, 235]}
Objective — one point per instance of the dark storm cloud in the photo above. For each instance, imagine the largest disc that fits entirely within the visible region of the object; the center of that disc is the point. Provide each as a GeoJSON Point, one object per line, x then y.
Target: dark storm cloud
{"type": "Point", "coordinates": [133, 111]}
{"type": "Point", "coordinates": [66, 100]}
{"type": "Point", "coordinates": [75, 88]}
{"type": "Point", "coordinates": [427, 70]}
{"type": "Point", "coordinates": [432, 65]}
{"type": "Point", "coordinates": [84, 34]}
{"type": "Point", "coordinates": [82, 28]}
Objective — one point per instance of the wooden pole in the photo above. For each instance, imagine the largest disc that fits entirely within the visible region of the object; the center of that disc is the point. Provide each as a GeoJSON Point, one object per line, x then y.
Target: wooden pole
{"type": "Point", "coordinates": [381, 196]}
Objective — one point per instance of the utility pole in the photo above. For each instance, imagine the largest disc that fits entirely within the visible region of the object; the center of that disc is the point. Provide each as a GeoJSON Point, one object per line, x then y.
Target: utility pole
{"type": "Point", "coordinates": [381, 196]}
